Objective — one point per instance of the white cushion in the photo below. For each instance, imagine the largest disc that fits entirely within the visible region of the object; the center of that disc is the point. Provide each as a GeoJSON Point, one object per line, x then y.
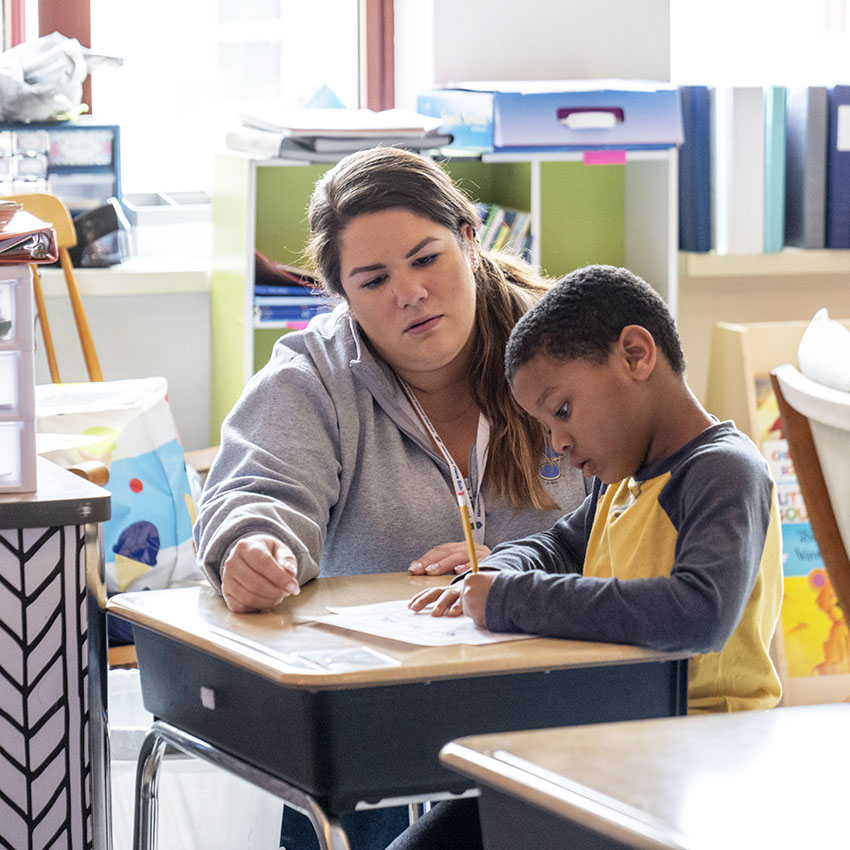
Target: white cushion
{"type": "Point", "coordinates": [824, 352]}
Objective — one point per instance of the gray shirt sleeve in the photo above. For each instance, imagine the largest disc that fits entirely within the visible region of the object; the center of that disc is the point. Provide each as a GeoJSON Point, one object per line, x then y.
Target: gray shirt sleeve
{"type": "Point", "coordinates": [720, 505]}
{"type": "Point", "coordinates": [277, 472]}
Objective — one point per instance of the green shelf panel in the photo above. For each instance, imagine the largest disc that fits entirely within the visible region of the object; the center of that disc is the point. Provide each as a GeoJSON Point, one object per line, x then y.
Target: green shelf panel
{"type": "Point", "coordinates": [227, 288]}
{"type": "Point", "coordinates": [264, 340]}
{"type": "Point", "coordinates": [283, 194]}
{"type": "Point", "coordinates": [582, 216]}
{"type": "Point", "coordinates": [505, 183]}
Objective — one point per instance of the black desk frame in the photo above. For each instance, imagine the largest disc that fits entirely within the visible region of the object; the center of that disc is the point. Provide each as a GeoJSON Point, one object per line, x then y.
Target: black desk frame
{"type": "Point", "coordinates": [344, 747]}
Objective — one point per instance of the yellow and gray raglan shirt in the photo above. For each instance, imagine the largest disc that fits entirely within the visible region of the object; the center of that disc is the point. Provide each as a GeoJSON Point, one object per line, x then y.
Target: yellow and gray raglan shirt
{"type": "Point", "coordinates": [683, 556]}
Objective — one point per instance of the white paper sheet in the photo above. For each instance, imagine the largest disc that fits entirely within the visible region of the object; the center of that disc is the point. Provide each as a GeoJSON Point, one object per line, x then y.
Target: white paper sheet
{"type": "Point", "coordinates": [396, 621]}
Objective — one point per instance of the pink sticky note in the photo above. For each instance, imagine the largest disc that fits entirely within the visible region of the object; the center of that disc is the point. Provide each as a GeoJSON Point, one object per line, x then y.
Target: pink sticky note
{"type": "Point", "coordinates": [604, 158]}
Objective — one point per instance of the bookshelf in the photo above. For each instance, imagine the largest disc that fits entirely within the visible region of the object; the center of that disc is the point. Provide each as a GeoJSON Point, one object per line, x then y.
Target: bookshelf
{"type": "Point", "coordinates": [789, 261]}
{"type": "Point", "coordinates": [619, 214]}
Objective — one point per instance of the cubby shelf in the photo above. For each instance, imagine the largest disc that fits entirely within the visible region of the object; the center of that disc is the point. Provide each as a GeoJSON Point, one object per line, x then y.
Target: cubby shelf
{"type": "Point", "coordinates": [622, 214]}
{"type": "Point", "coordinates": [791, 261]}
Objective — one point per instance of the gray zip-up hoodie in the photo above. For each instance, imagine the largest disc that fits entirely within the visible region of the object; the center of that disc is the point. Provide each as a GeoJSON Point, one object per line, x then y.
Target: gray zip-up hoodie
{"type": "Point", "coordinates": [324, 452]}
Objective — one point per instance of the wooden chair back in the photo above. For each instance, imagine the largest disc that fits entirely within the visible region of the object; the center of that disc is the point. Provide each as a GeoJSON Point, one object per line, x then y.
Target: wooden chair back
{"type": "Point", "coordinates": [792, 392]}
{"type": "Point", "coordinates": [50, 209]}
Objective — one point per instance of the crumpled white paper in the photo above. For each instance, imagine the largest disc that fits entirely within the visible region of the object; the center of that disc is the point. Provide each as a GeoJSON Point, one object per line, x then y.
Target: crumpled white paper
{"type": "Point", "coordinates": [42, 80]}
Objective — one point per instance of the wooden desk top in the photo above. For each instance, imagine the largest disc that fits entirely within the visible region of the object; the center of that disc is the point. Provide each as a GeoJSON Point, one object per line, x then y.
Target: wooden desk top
{"type": "Point", "coordinates": [62, 498]}
{"type": "Point", "coordinates": [774, 779]}
{"type": "Point", "coordinates": [270, 643]}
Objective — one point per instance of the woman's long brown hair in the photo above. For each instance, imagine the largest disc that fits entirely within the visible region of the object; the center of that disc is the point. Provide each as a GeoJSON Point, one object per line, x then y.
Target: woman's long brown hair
{"type": "Point", "coordinates": [383, 178]}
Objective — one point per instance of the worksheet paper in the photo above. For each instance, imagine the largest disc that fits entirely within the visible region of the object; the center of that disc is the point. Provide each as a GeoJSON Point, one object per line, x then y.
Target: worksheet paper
{"type": "Point", "coordinates": [396, 621]}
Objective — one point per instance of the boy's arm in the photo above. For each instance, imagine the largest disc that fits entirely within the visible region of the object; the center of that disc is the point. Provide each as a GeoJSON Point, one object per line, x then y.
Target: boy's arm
{"type": "Point", "coordinates": [721, 509]}
{"type": "Point", "coordinates": [561, 549]}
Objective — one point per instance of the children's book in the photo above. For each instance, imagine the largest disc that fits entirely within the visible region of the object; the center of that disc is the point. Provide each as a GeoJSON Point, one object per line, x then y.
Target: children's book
{"type": "Point", "coordinates": [814, 629]}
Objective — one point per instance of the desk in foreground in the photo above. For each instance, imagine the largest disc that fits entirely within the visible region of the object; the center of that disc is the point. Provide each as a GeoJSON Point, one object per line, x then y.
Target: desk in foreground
{"type": "Point", "coordinates": [238, 682]}
{"type": "Point", "coordinates": [773, 779]}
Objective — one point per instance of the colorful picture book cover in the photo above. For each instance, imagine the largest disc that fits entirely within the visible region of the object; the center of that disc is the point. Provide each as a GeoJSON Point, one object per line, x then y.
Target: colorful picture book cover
{"type": "Point", "coordinates": [816, 636]}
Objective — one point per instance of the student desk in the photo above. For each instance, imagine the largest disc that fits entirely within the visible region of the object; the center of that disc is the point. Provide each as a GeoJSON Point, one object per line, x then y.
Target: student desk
{"type": "Point", "coordinates": [751, 779]}
{"type": "Point", "coordinates": [241, 690]}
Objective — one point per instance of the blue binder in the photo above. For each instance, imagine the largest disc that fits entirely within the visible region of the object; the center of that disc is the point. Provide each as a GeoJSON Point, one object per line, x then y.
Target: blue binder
{"type": "Point", "coordinates": [838, 169]}
{"type": "Point", "coordinates": [695, 170]}
{"type": "Point", "coordinates": [774, 168]}
{"type": "Point", "coordinates": [805, 166]}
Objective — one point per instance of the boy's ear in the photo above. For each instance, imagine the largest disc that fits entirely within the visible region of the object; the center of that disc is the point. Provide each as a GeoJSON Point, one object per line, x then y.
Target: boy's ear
{"type": "Point", "coordinates": [639, 350]}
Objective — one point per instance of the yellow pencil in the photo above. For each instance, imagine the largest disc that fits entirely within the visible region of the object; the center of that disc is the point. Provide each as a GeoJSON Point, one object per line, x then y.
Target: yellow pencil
{"type": "Point", "coordinates": [467, 533]}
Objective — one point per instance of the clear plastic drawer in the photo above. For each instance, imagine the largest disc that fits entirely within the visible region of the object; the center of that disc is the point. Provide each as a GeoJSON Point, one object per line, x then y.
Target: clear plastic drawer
{"type": "Point", "coordinates": [17, 457]}
{"type": "Point", "coordinates": [17, 386]}
{"type": "Point", "coordinates": [16, 312]}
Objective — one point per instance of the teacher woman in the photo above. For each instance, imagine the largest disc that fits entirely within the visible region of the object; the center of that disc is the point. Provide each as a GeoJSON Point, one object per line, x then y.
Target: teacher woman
{"type": "Point", "coordinates": [346, 452]}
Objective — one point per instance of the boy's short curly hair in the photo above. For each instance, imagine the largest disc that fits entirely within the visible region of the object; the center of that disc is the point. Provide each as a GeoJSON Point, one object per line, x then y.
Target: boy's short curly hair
{"type": "Point", "coordinates": [582, 316]}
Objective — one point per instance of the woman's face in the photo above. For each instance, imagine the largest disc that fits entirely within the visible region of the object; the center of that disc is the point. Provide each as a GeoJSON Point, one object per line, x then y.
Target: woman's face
{"type": "Point", "coordinates": [409, 285]}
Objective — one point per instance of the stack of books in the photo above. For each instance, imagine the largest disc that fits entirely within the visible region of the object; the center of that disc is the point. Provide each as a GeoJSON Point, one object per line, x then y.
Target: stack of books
{"type": "Point", "coordinates": [286, 296]}
{"type": "Point", "coordinates": [326, 135]}
{"type": "Point", "coordinates": [505, 229]}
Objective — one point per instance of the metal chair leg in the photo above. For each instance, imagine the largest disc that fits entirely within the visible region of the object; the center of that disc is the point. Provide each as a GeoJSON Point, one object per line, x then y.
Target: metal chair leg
{"type": "Point", "coordinates": [147, 788]}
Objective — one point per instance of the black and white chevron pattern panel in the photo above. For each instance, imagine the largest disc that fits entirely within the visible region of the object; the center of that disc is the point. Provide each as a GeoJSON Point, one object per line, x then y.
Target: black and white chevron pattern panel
{"type": "Point", "coordinates": [45, 764]}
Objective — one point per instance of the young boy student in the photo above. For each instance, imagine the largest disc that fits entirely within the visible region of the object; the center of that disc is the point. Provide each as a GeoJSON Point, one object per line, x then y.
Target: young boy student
{"type": "Point", "coordinates": [677, 547]}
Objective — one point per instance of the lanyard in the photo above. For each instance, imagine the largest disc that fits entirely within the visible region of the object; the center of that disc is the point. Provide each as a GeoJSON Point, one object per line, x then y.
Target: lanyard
{"type": "Point", "coordinates": [475, 505]}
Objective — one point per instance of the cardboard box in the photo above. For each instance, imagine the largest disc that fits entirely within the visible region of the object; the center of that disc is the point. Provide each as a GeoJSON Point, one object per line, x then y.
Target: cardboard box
{"type": "Point", "coordinates": [552, 114]}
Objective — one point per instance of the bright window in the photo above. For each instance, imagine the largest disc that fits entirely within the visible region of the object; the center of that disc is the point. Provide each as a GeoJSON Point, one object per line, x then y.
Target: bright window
{"type": "Point", "coordinates": [192, 66]}
{"type": "Point", "coordinates": [760, 42]}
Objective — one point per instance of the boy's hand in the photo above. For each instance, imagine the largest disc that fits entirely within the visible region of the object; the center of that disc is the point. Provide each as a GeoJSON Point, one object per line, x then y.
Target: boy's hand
{"type": "Point", "coordinates": [473, 595]}
{"type": "Point", "coordinates": [446, 558]}
{"type": "Point", "coordinates": [259, 573]}
{"type": "Point", "coordinates": [446, 601]}
{"type": "Point", "coordinates": [468, 598]}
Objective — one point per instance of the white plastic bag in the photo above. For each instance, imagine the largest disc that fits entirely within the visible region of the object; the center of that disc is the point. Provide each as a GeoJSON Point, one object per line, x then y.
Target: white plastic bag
{"type": "Point", "coordinates": [200, 807]}
{"type": "Point", "coordinates": [42, 80]}
{"type": "Point", "coordinates": [148, 541]}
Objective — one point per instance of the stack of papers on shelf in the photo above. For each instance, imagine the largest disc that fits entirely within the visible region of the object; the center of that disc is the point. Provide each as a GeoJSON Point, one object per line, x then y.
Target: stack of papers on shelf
{"type": "Point", "coordinates": [325, 135]}
{"type": "Point", "coordinates": [27, 239]}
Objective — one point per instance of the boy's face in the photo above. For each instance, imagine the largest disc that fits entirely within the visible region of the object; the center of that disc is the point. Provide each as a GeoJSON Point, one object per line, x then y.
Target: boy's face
{"type": "Point", "coordinates": [591, 410]}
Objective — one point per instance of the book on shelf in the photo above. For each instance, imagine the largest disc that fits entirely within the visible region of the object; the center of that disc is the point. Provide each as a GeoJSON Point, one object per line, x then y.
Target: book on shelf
{"type": "Point", "coordinates": [838, 168]}
{"type": "Point", "coordinates": [816, 638]}
{"type": "Point", "coordinates": [774, 169]}
{"type": "Point", "coordinates": [303, 300]}
{"type": "Point", "coordinates": [695, 170]}
{"type": "Point", "coordinates": [280, 289]}
{"type": "Point", "coordinates": [268, 144]}
{"type": "Point", "coordinates": [278, 312]}
{"type": "Point", "coordinates": [805, 166]}
{"type": "Point", "coordinates": [504, 229]}
{"type": "Point", "coordinates": [272, 274]}
{"type": "Point", "coordinates": [341, 123]}
{"type": "Point", "coordinates": [739, 170]}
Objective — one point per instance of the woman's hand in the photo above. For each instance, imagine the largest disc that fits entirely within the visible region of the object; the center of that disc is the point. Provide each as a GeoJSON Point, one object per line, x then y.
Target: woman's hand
{"type": "Point", "coordinates": [259, 573]}
{"type": "Point", "coordinates": [446, 558]}
{"type": "Point", "coordinates": [468, 598]}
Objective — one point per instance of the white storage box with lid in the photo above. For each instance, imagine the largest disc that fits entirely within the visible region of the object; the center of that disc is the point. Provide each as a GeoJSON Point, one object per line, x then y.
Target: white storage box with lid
{"type": "Point", "coordinates": [531, 114]}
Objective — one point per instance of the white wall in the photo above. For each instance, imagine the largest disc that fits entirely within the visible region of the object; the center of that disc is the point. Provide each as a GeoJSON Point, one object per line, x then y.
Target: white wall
{"type": "Point", "coordinates": [136, 334]}
{"type": "Point", "coordinates": [442, 41]}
